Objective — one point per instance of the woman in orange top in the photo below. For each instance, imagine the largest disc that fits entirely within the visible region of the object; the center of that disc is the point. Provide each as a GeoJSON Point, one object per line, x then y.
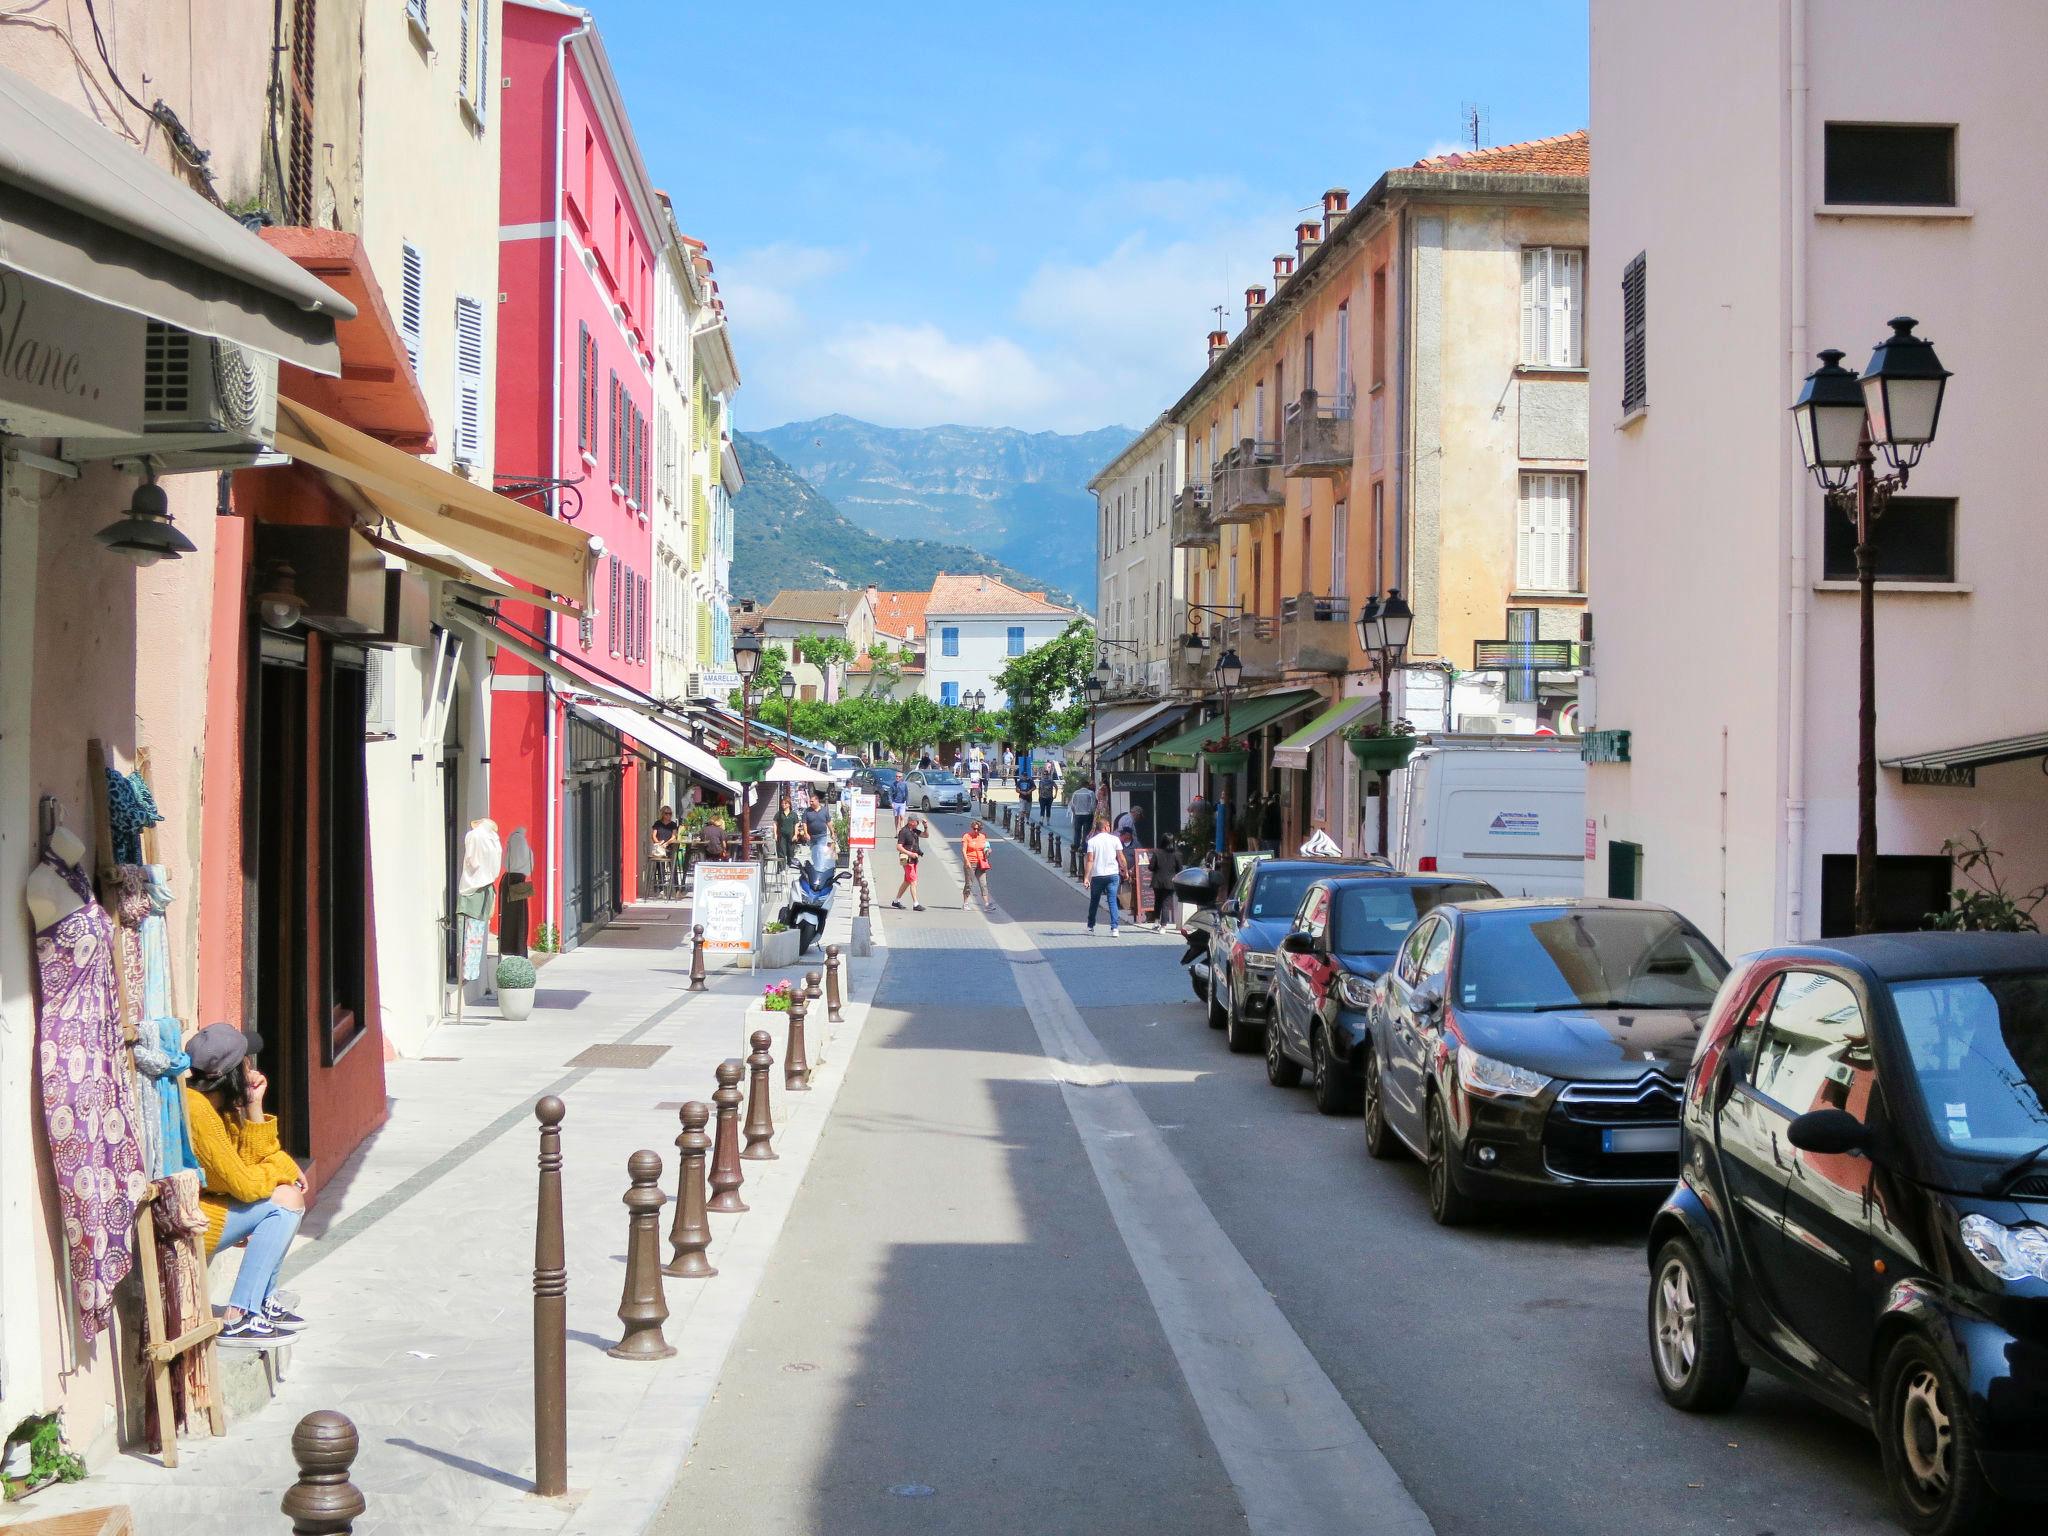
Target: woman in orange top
{"type": "Point", "coordinates": [253, 1190]}
{"type": "Point", "coordinates": [974, 858]}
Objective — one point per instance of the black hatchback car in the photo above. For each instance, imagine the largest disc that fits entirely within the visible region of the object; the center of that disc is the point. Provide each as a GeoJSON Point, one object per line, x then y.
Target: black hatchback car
{"type": "Point", "coordinates": [1864, 1208]}
{"type": "Point", "coordinates": [1536, 1047]}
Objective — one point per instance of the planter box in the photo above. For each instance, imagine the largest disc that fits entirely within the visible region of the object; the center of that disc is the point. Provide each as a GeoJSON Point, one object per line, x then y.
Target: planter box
{"type": "Point", "coordinates": [515, 1002]}
{"type": "Point", "coordinates": [746, 767]}
{"type": "Point", "coordinates": [1227, 762]}
{"type": "Point", "coordinates": [1385, 753]}
{"type": "Point", "coordinates": [774, 1020]}
{"type": "Point", "coordinates": [778, 949]}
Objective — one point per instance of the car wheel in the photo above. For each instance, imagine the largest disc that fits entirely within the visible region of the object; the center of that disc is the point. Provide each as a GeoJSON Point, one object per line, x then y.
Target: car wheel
{"type": "Point", "coordinates": [1240, 1035]}
{"type": "Point", "coordinates": [1335, 1091]}
{"type": "Point", "coordinates": [1929, 1443]}
{"type": "Point", "coordinates": [1692, 1341]}
{"type": "Point", "coordinates": [1282, 1070]}
{"type": "Point", "coordinates": [1218, 987]}
{"type": "Point", "coordinates": [1449, 1206]}
{"type": "Point", "coordinates": [1199, 987]}
{"type": "Point", "coordinates": [1380, 1140]}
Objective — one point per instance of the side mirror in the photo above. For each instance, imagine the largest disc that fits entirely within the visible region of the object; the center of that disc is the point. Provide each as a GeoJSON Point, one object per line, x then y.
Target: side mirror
{"type": "Point", "coordinates": [1429, 997]}
{"type": "Point", "coordinates": [1230, 907]}
{"type": "Point", "coordinates": [1298, 943]}
{"type": "Point", "coordinates": [1828, 1131]}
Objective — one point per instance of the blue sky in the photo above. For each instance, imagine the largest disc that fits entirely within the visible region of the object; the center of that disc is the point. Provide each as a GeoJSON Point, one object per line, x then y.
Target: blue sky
{"type": "Point", "coordinates": [1021, 214]}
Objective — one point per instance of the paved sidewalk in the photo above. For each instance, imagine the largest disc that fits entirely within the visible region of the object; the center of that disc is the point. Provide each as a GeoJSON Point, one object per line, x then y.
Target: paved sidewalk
{"type": "Point", "coordinates": [416, 1266]}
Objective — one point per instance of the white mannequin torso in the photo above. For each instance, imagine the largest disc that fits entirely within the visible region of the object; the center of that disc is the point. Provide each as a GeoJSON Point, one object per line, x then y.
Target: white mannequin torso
{"type": "Point", "coordinates": [50, 896]}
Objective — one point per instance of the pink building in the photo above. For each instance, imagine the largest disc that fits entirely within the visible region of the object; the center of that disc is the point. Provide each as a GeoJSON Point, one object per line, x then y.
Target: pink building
{"type": "Point", "coordinates": [580, 231]}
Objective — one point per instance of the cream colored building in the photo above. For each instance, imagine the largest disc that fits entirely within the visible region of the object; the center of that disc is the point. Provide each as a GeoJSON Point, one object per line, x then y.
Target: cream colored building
{"type": "Point", "coordinates": [681, 599]}
{"type": "Point", "coordinates": [1140, 591]}
{"type": "Point", "coordinates": [1772, 182]}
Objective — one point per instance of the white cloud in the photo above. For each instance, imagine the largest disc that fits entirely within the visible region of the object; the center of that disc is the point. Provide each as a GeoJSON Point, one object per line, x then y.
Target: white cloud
{"type": "Point", "coordinates": [916, 375]}
{"type": "Point", "coordinates": [761, 287]}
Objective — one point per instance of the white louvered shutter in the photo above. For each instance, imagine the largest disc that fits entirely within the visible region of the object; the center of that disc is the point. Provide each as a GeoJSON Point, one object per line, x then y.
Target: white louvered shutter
{"type": "Point", "coordinates": [1567, 307]}
{"type": "Point", "coordinates": [469, 380]}
{"type": "Point", "coordinates": [482, 97]}
{"type": "Point", "coordinates": [463, 74]}
{"type": "Point", "coordinates": [1535, 304]}
{"type": "Point", "coordinates": [412, 302]}
{"type": "Point", "coordinates": [417, 10]}
{"type": "Point", "coordinates": [1546, 534]}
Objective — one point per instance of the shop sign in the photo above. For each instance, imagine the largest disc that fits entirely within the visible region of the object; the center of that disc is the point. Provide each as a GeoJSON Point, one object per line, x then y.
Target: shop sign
{"type": "Point", "coordinates": [729, 907]}
{"type": "Point", "coordinates": [860, 821]}
{"type": "Point", "coordinates": [1131, 779]}
{"type": "Point", "coordinates": [1604, 747]}
{"type": "Point", "coordinates": [718, 682]}
{"type": "Point", "coordinates": [69, 367]}
{"type": "Point", "coordinates": [1592, 838]}
{"type": "Point", "coordinates": [1962, 776]}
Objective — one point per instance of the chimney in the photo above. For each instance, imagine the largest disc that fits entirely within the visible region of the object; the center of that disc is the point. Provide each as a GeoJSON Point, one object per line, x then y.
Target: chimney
{"type": "Point", "coordinates": [1307, 237]}
{"type": "Point", "coordinates": [1219, 342]}
{"type": "Point", "coordinates": [1254, 301]}
{"type": "Point", "coordinates": [1336, 203]}
{"type": "Point", "coordinates": [1283, 269]}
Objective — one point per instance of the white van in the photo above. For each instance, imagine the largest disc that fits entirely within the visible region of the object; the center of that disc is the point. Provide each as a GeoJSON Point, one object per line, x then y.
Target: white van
{"type": "Point", "coordinates": [1510, 810]}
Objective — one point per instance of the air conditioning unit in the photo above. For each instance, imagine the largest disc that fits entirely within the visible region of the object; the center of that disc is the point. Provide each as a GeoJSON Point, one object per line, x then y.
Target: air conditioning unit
{"type": "Point", "coordinates": [693, 685]}
{"type": "Point", "coordinates": [206, 404]}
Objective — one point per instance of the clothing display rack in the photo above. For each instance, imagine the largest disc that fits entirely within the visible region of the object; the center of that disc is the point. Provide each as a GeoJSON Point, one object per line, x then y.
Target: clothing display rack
{"type": "Point", "coordinates": [159, 1352]}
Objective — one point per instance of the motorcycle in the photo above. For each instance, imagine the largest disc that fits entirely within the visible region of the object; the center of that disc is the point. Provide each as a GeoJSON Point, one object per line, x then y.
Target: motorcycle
{"type": "Point", "coordinates": [811, 904]}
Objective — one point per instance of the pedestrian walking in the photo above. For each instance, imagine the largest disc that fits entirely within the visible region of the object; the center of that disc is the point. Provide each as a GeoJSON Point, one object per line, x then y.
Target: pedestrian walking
{"type": "Point", "coordinates": [1165, 865]}
{"type": "Point", "coordinates": [899, 795]}
{"type": "Point", "coordinates": [1082, 809]}
{"type": "Point", "coordinates": [1048, 786]}
{"type": "Point", "coordinates": [1106, 866]}
{"type": "Point", "coordinates": [823, 837]}
{"type": "Point", "coordinates": [785, 830]}
{"type": "Point", "coordinates": [974, 861]}
{"type": "Point", "coordinates": [909, 849]}
{"type": "Point", "coordinates": [1024, 793]}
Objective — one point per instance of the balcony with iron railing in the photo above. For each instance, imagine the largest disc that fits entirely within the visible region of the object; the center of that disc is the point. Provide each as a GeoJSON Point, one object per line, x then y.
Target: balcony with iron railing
{"type": "Point", "coordinates": [1248, 483]}
{"type": "Point", "coordinates": [1315, 438]}
{"type": "Point", "coordinates": [1315, 633]}
{"type": "Point", "coordinates": [1190, 524]}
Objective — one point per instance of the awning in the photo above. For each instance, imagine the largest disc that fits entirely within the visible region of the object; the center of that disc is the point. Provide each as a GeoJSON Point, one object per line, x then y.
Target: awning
{"type": "Point", "coordinates": [1293, 752]}
{"type": "Point", "coordinates": [89, 213]}
{"type": "Point", "coordinates": [538, 657]}
{"type": "Point", "coordinates": [788, 771]}
{"type": "Point", "coordinates": [429, 556]}
{"type": "Point", "coordinates": [660, 737]}
{"type": "Point", "coordinates": [1245, 715]}
{"type": "Point", "coordinates": [2009, 749]}
{"type": "Point", "coordinates": [441, 506]}
{"type": "Point", "coordinates": [1148, 727]}
{"type": "Point", "coordinates": [1108, 723]}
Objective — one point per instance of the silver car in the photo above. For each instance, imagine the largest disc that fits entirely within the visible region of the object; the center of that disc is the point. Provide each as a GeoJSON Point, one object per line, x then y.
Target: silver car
{"type": "Point", "coordinates": [933, 789]}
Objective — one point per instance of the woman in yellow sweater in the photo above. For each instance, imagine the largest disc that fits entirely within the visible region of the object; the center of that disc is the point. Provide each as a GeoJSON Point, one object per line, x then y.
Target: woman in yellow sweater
{"type": "Point", "coordinates": [253, 1192]}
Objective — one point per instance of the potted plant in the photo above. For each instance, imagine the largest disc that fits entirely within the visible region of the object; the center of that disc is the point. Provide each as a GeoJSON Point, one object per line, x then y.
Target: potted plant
{"type": "Point", "coordinates": [37, 1456]}
{"type": "Point", "coordinates": [765, 1010]}
{"type": "Point", "coordinates": [1229, 755]}
{"type": "Point", "coordinates": [749, 767]}
{"type": "Point", "coordinates": [1381, 746]}
{"type": "Point", "coordinates": [778, 945]}
{"type": "Point", "coordinates": [516, 982]}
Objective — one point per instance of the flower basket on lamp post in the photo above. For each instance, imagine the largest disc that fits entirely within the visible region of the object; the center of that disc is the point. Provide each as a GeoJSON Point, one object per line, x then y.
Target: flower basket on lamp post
{"type": "Point", "coordinates": [1381, 748]}
{"type": "Point", "coordinates": [1227, 759]}
{"type": "Point", "coordinates": [746, 767]}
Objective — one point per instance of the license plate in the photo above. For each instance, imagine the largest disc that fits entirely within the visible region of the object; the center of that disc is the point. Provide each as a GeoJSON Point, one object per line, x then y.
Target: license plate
{"type": "Point", "coordinates": [1640, 1138]}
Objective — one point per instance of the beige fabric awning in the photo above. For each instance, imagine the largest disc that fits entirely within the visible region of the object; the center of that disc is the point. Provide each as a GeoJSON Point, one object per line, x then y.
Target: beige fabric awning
{"type": "Point", "coordinates": [448, 509]}
{"type": "Point", "coordinates": [471, 573]}
{"type": "Point", "coordinates": [81, 209]}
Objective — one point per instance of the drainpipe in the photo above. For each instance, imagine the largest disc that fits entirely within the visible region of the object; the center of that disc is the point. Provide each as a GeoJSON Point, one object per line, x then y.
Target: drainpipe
{"type": "Point", "coordinates": [549, 729]}
{"type": "Point", "coordinates": [1798, 597]}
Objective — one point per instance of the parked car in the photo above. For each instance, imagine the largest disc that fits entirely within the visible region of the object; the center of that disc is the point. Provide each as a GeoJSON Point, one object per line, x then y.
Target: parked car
{"type": "Point", "coordinates": [1864, 1209]}
{"type": "Point", "coordinates": [876, 780]}
{"type": "Point", "coordinates": [842, 768]}
{"type": "Point", "coordinates": [1537, 1047]}
{"type": "Point", "coordinates": [934, 789]}
{"type": "Point", "coordinates": [1344, 937]}
{"type": "Point", "coordinates": [1233, 949]}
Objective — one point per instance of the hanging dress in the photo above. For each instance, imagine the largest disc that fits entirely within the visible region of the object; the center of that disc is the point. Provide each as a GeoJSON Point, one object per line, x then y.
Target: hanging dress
{"type": "Point", "coordinates": [86, 1108]}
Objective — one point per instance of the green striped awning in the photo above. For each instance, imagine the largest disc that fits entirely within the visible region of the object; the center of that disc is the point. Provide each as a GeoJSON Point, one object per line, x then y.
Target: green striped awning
{"type": "Point", "coordinates": [1293, 752]}
{"type": "Point", "coordinates": [1181, 751]}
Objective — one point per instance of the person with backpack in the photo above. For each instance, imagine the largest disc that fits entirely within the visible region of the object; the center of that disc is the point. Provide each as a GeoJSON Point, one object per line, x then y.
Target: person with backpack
{"type": "Point", "coordinates": [1048, 786]}
{"type": "Point", "coordinates": [974, 862]}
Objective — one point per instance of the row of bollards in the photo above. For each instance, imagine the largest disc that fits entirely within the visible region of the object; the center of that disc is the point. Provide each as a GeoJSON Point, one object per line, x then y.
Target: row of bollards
{"type": "Point", "coordinates": [1052, 851]}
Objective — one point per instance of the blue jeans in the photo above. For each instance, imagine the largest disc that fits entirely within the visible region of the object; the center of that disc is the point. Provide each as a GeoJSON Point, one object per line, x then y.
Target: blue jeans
{"type": "Point", "coordinates": [270, 1228]}
{"type": "Point", "coordinates": [1100, 886]}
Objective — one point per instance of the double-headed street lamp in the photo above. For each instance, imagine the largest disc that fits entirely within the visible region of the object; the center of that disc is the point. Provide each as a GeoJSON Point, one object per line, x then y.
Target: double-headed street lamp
{"type": "Point", "coordinates": [746, 660]}
{"type": "Point", "coordinates": [1893, 408]}
{"type": "Point", "coordinates": [1383, 630]}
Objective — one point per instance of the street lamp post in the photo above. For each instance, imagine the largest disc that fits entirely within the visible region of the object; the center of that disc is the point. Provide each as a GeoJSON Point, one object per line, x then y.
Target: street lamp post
{"type": "Point", "coordinates": [1229, 672]}
{"type": "Point", "coordinates": [1383, 629]}
{"type": "Point", "coordinates": [1843, 422]}
{"type": "Point", "coordinates": [746, 659]}
{"type": "Point", "coordinates": [787, 688]}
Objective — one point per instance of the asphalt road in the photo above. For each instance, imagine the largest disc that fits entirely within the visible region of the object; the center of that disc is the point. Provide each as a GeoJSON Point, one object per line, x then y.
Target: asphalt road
{"type": "Point", "coordinates": [952, 1336]}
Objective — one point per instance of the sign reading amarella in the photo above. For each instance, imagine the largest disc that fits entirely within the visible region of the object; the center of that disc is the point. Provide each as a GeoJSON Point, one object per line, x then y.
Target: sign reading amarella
{"type": "Point", "coordinates": [68, 366]}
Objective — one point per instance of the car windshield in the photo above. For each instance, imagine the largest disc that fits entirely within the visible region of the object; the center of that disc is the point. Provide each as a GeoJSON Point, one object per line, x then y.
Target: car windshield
{"type": "Point", "coordinates": [1532, 960]}
{"type": "Point", "coordinates": [884, 775]}
{"type": "Point", "coordinates": [845, 762]}
{"type": "Point", "coordinates": [940, 779]}
{"type": "Point", "coordinates": [1979, 1046]}
{"type": "Point", "coordinates": [1373, 918]}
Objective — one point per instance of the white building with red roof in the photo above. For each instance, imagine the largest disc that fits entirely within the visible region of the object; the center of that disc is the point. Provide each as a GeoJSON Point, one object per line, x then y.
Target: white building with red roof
{"type": "Point", "coordinates": [973, 626]}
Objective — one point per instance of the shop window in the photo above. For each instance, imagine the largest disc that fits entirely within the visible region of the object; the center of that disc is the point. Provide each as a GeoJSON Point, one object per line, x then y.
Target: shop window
{"type": "Point", "coordinates": [1909, 888]}
{"type": "Point", "coordinates": [1915, 539]}
{"type": "Point", "coordinates": [1891, 164]}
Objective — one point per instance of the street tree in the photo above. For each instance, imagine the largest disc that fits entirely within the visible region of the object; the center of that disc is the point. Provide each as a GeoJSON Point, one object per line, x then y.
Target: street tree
{"type": "Point", "coordinates": [1044, 687]}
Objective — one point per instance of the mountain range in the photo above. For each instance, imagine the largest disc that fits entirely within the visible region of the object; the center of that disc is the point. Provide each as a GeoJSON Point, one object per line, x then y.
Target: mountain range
{"type": "Point", "coordinates": [786, 534]}
{"type": "Point", "coordinates": [1020, 498]}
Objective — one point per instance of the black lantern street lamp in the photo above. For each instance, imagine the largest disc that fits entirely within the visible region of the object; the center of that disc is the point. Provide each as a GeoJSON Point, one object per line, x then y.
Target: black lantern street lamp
{"type": "Point", "coordinates": [746, 660]}
{"type": "Point", "coordinates": [787, 688]}
{"type": "Point", "coordinates": [1383, 630]}
{"type": "Point", "coordinates": [1843, 423]}
{"type": "Point", "coordinates": [1228, 672]}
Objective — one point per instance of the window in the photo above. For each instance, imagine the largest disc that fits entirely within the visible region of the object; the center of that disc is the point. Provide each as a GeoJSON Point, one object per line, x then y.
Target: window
{"type": "Point", "coordinates": [299, 175]}
{"type": "Point", "coordinates": [612, 439]}
{"type": "Point", "coordinates": [1893, 164]}
{"type": "Point", "coordinates": [1802, 1056]}
{"type": "Point", "coordinates": [469, 381]}
{"type": "Point", "coordinates": [586, 389]}
{"type": "Point", "coordinates": [412, 301]}
{"type": "Point", "coordinates": [1909, 887]}
{"type": "Point", "coordinates": [1379, 327]}
{"type": "Point", "coordinates": [1635, 314]}
{"type": "Point", "coordinates": [612, 607]}
{"type": "Point", "coordinates": [1308, 361]}
{"type": "Point", "coordinates": [949, 694]}
{"type": "Point", "coordinates": [1520, 682]}
{"type": "Point", "coordinates": [1553, 307]}
{"type": "Point", "coordinates": [628, 626]}
{"type": "Point", "coordinates": [1624, 870]}
{"type": "Point", "coordinates": [1016, 640]}
{"type": "Point", "coordinates": [1307, 562]}
{"type": "Point", "coordinates": [1379, 535]}
{"type": "Point", "coordinates": [1340, 547]}
{"type": "Point", "coordinates": [949, 640]}
{"type": "Point", "coordinates": [1343, 352]}
{"type": "Point", "coordinates": [1547, 534]}
{"type": "Point", "coordinates": [1237, 424]}
{"type": "Point", "coordinates": [1915, 539]}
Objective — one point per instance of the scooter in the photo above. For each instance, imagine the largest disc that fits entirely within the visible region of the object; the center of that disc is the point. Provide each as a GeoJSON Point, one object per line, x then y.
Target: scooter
{"type": "Point", "coordinates": [811, 904]}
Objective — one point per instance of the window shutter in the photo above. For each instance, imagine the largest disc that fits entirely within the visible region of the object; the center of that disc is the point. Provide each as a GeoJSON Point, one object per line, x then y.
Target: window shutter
{"type": "Point", "coordinates": [299, 174]}
{"type": "Point", "coordinates": [482, 97]}
{"type": "Point", "coordinates": [469, 380]}
{"type": "Point", "coordinates": [417, 10]}
{"type": "Point", "coordinates": [616, 427]}
{"type": "Point", "coordinates": [612, 608]}
{"type": "Point", "coordinates": [584, 400]}
{"type": "Point", "coordinates": [1535, 304]}
{"type": "Point", "coordinates": [412, 302]}
{"type": "Point", "coordinates": [1567, 276]}
{"type": "Point", "coordinates": [1635, 380]}
{"type": "Point", "coordinates": [463, 74]}
{"type": "Point", "coordinates": [590, 389]}
{"type": "Point", "coordinates": [627, 629]}
{"type": "Point", "coordinates": [646, 621]}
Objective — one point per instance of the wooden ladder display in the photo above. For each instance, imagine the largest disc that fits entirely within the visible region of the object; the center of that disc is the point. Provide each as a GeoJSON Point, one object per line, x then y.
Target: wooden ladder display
{"type": "Point", "coordinates": [159, 1353]}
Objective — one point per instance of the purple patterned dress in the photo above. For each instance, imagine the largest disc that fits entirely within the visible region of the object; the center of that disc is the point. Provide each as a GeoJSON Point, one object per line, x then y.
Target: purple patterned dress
{"type": "Point", "coordinates": [86, 1107]}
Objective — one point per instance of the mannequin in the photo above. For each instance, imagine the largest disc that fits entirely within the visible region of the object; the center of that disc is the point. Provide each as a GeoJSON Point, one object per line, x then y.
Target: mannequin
{"type": "Point", "coordinates": [50, 895]}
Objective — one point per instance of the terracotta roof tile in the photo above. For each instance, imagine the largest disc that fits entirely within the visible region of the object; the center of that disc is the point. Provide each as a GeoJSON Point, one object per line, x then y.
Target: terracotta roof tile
{"type": "Point", "coordinates": [984, 594]}
{"type": "Point", "coordinates": [899, 613]}
{"type": "Point", "coordinates": [1565, 154]}
{"type": "Point", "coordinates": [831, 605]}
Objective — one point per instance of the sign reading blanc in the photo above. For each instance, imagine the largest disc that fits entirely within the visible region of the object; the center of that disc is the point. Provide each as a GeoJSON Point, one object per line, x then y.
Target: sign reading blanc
{"type": "Point", "coordinates": [68, 367]}
{"type": "Point", "coordinates": [729, 907]}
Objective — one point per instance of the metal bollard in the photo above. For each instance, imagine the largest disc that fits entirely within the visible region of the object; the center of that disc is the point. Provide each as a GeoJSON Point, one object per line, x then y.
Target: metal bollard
{"type": "Point", "coordinates": [760, 1127]}
{"type": "Point", "coordinates": [643, 1306]}
{"type": "Point", "coordinates": [697, 957]}
{"type": "Point", "coordinates": [864, 898]}
{"type": "Point", "coordinates": [690, 1234]}
{"type": "Point", "coordinates": [796, 1064]}
{"type": "Point", "coordinates": [832, 983]}
{"type": "Point", "coordinates": [726, 1177]}
{"type": "Point", "coordinates": [1052, 851]}
{"type": "Point", "coordinates": [323, 1502]}
{"type": "Point", "coordinates": [550, 1314]}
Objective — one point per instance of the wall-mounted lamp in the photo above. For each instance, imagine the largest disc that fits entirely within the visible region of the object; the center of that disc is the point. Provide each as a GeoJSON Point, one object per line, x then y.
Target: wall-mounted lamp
{"type": "Point", "coordinates": [280, 605]}
{"type": "Point", "coordinates": [145, 533]}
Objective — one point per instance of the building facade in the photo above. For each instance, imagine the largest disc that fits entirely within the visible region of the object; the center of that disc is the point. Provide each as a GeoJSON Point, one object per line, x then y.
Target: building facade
{"type": "Point", "coordinates": [1140, 599]}
{"type": "Point", "coordinates": [1724, 773]}
{"type": "Point", "coordinates": [974, 625]}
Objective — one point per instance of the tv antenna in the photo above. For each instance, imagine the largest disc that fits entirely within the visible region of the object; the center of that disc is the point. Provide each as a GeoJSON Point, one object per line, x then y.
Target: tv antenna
{"type": "Point", "coordinates": [1218, 308]}
{"type": "Point", "coordinates": [1472, 124]}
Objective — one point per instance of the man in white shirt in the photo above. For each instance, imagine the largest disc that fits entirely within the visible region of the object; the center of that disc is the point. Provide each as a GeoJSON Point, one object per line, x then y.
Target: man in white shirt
{"type": "Point", "coordinates": [1106, 869]}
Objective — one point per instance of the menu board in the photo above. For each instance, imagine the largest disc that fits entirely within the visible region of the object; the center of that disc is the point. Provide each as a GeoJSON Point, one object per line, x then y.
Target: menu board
{"type": "Point", "coordinates": [1147, 903]}
{"type": "Point", "coordinates": [860, 821]}
{"type": "Point", "coordinates": [728, 905]}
